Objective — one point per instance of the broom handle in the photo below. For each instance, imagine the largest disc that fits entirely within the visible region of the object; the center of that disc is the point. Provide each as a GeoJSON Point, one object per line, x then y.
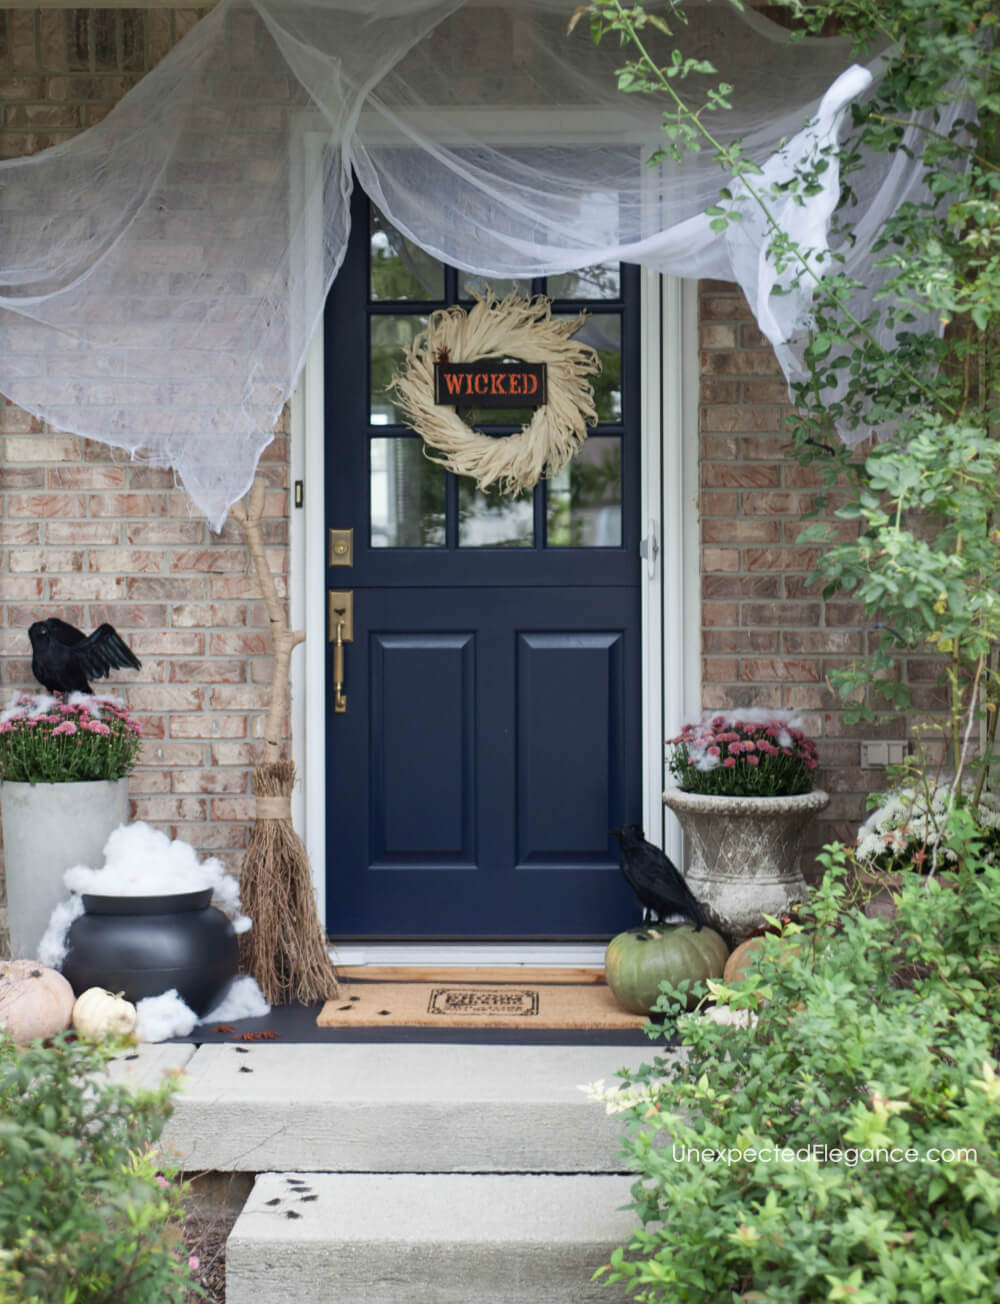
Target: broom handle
{"type": "Point", "coordinates": [284, 640]}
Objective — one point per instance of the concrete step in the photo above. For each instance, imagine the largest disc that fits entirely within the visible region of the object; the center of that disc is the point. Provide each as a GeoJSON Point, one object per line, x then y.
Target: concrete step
{"type": "Point", "coordinates": [370, 1108]}
{"type": "Point", "coordinates": [404, 1238]}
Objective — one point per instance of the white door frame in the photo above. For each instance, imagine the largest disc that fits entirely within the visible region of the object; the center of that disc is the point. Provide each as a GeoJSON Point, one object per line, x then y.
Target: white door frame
{"type": "Point", "coordinates": [670, 605]}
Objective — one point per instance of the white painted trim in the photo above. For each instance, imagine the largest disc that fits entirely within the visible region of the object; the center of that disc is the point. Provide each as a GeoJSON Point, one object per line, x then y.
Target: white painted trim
{"type": "Point", "coordinates": [653, 566]}
{"type": "Point", "coordinates": [571, 955]}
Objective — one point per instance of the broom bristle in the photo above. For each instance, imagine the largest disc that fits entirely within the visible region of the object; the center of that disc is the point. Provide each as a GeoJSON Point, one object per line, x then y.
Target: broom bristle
{"type": "Point", "coordinates": [285, 951]}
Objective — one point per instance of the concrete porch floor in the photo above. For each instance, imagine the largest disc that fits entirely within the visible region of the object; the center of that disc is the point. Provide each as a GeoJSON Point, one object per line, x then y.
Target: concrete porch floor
{"type": "Point", "coordinates": [404, 1172]}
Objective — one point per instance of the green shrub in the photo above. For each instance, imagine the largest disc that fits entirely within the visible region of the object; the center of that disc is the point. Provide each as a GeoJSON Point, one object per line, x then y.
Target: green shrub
{"type": "Point", "coordinates": [871, 1036]}
{"type": "Point", "coordinates": [86, 1215]}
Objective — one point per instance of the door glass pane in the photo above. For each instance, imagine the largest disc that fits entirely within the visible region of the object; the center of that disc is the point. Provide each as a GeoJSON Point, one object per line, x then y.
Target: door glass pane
{"type": "Point", "coordinates": [585, 498]}
{"type": "Point", "coordinates": [603, 281]}
{"type": "Point", "coordinates": [390, 335]}
{"type": "Point", "coordinates": [493, 520]}
{"type": "Point", "coordinates": [407, 495]}
{"type": "Point", "coordinates": [470, 285]}
{"type": "Point", "coordinates": [603, 332]}
{"type": "Point", "coordinates": [399, 269]}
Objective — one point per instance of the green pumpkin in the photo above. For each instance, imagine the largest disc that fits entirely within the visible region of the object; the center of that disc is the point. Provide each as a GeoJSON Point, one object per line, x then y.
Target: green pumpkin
{"type": "Point", "coordinates": [636, 962]}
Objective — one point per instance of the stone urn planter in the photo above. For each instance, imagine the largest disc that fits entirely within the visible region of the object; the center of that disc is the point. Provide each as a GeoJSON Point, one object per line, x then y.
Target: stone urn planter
{"type": "Point", "coordinates": [47, 829]}
{"type": "Point", "coordinates": [744, 854]}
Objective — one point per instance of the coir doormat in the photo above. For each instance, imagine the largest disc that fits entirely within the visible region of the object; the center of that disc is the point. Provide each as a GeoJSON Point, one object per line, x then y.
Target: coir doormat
{"type": "Point", "coordinates": [475, 998]}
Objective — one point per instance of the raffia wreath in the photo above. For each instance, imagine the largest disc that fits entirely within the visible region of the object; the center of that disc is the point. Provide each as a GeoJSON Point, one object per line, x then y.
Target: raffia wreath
{"type": "Point", "coordinates": [512, 327]}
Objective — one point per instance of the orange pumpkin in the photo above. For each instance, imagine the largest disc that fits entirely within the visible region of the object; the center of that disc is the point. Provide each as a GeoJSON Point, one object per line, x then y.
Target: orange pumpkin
{"type": "Point", "coordinates": [739, 961]}
{"type": "Point", "coordinates": [35, 1002]}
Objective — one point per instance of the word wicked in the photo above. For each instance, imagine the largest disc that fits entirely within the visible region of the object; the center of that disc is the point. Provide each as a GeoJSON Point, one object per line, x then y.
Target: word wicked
{"type": "Point", "coordinates": [490, 384]}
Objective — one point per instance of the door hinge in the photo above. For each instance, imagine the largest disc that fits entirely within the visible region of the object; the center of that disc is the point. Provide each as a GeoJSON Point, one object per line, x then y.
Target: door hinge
{"type": "Point", "coordinates": [649, 548]}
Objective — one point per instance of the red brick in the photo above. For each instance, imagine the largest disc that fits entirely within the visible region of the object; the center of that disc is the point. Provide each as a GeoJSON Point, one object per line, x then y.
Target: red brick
{"type": "Point", "coordinates": [720, 559]}
{"type": "Point", "coordinates": [781, 614]}
{"type": "Point", "coordinates": [242, 586]}
{"type": "Point", "coordinates": [239, 645]}
{"type": "Point", "coordinates": [126, 504]}
{"type": "Point", "coordinates": [718, 504]}
{"type": "Point", "coordinates": [739, 475]}
{"type": "Point", "coordinates": [741, 586]}
{"type": "Point", "coordinates": [718, 336]}
{"type": "Point", "coordinates": [236, 753]}
{"type": "Point", "coordinates": [719, 391]}
{"type": "Point", "coordinates": [147, 782]}
{"type": "Point", "coordinates": [241, 697]}
{"type": "Point", "coordinates": [44, 561]}
{"type": "Point", "coordinates": [821, 640]}
{"type": "Point", "coordinates": [781, 559]}
{"type": "Point", "coordinates": [126, 561]}
{"type": "Point", "coordinates": [155, 642]}
{"type": "Point", "coordinates": [720, 613]}
{"type": "Point", "coordinates": [217, 779]}
{"type": "Point", "coordinates": [209, 670]}
{"type": "Point", "coordinates": [87, 588]}
{"type": "Point", "coordinates": [19, 534]}
{"type": "Point", "coordinates": [158, 752]}
{"type": "Point", "coordinates": [768, 669]}
{"type": "Point", "coordinates": [719, 670]}
{"type": "Point", "coordinates": [165, 697]}
{"type": "Point", "coordinates": [44, 505]}
{"type": "Point", "coordinates": [197, 615]}
{"type": "Point", "coordinates": [21, 478]}
{"type": "Point", "coordinates": [740, 363]}
{"type": "Point", "coordinates": [739, 640]}
{"type": "Point", "coordinates": [725, 697]}
{"type": "Point", "coordinates": [211, 559]}
{"type": "Point", "coordinates": [86, 477]}
{"type": "Point", "coordinates": [130, 615]}
{"type": "Point", "coordinates": [718, 448]}
{"type": "Point", "coordinates": [145, 588]}
{"type": "Point", "coordinates": [149, 533]}
{"type": "Point", "coordinates": [43, 448]}
{"type": "Point", "coordinates": [214, 725]}
{"type": "Point", "coordinates": [724, 308]}
{"type": "Point", "coordinates": [756, 530]}
{"type": "Point", "coordinates": [164, 809]}
{"type": "Point", "coordinates": [232, 808]}
{"type": "Point", "coordinates": [211, 838]}
{"type": "Point", "coordinates": [82, 532]}
{"type": "Point", "coordinates": [742, 418]}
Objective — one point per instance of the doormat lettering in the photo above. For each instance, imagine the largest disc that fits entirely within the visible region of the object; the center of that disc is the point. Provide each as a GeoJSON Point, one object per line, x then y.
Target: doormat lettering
{"type": "Point", "coordinates": [552, 998]}
{"type": "Point", "coordinates": [487, 1001]}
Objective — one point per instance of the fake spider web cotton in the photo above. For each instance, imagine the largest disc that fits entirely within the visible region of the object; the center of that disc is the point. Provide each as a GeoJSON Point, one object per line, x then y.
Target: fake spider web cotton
{"type": "Point", "coordinates": [163, 273]}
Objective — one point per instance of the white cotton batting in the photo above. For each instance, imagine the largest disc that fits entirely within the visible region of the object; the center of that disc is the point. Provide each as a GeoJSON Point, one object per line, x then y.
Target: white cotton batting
{"type": "Point", "coordinates": [52, 947]}
{"type": "Point", "coordinates": [142, 861]}
{"type": "Point", "coordinates": [160, 1017]}
{"type": "Point", "coordinates": [244, 1000]}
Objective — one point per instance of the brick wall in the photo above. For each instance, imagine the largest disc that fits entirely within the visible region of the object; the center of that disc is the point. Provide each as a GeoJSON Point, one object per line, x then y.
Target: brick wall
{"type": "Point", "coordinates": [768, 639]}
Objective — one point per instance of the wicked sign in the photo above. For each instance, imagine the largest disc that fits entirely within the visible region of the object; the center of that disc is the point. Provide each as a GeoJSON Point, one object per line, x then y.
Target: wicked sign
{"type": "Point", "coordinates": [490, 384]}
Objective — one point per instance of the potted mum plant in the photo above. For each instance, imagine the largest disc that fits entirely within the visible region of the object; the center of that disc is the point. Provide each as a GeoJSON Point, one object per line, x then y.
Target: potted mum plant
{"type": "Point", "coordinates": [63, 790]}
{"type": "Point", "coordinates": [743, 792]}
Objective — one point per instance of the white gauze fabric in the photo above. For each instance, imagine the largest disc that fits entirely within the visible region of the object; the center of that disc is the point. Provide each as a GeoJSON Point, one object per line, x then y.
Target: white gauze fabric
{"type": "Point", "coordinates": [162, 274]}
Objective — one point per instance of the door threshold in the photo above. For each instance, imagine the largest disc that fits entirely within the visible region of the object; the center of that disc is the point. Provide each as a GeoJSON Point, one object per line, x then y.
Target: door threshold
{"type": "Point", "coordinates": [570, 955]}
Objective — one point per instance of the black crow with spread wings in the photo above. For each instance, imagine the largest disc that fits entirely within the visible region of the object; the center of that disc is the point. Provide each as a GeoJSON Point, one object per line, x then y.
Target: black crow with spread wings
{"type": "Point", "coordinates": [654, 877]}
{"type": "Point", "coordinates": [63, 658]}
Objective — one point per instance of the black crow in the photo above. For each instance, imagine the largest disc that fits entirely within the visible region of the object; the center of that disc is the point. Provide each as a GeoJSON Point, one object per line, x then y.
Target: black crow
{"type": "Point", "coordinates": [654, 877]}
{"type": "Point", "coordinates": [63, 659]}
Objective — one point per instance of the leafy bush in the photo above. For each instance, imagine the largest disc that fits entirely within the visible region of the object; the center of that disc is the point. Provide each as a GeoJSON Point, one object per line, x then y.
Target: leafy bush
{"type": "Point", "coordinates": [86, 1217]}
{"type": "Point", "coordinates": [46, 740]}
{"type": "Point", "coordinates": [744, 754]}
{"type": "Point", "coordinates": [874, 1038]}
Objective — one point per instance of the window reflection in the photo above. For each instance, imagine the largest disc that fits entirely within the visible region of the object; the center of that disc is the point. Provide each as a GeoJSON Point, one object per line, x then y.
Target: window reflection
{"type": "Point", "coordinates": [407, 495]}
{"type": "Point", "coordinates": [390, 335]}
{"type": "Point", "coordinates": [603, 281]}
{"type": "Point", "coordinates": [399, 269]}
{"type": "Point", "coordinates": [603, 332]}
{"type": "Point", "coordinates": [494, 520]}
{"type": "Point", "coordinates": [585, 499]}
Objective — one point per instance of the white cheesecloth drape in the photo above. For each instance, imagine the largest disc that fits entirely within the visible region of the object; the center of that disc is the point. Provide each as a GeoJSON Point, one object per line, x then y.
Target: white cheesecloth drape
{"type": "Point", "coordinates": [161, 274]}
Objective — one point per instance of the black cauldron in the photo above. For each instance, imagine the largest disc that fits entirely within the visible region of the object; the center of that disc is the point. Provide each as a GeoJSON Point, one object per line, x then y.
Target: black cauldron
{"type": "Point", "coordinates": [145, 945]}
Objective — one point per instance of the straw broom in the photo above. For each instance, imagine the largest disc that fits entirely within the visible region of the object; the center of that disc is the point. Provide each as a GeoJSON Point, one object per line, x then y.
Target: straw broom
{"type": "Point", "coordinates": [285, 951]}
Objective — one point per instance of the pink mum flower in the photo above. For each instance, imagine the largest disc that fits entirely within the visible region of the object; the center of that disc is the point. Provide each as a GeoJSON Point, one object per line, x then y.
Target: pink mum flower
{"type": "Point", "coordinates": [729, 763]}
{"type": "Point", "coordinates": [96, 727]}
{"type": "Point", "coordinates": [67, 727]}
{"type": "Point", "coordinates": [752, 760]}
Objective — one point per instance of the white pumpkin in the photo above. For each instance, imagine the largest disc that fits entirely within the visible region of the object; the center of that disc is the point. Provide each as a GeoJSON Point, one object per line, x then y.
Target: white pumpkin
{"type": "Point", "coordinates": [98, 1014]}
{"type": "Point", "coordinates": [34, 1001]}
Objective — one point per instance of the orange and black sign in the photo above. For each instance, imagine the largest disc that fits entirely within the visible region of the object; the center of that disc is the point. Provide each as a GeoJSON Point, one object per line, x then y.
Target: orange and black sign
{"type": "Point", "coordinates": [490, 384]}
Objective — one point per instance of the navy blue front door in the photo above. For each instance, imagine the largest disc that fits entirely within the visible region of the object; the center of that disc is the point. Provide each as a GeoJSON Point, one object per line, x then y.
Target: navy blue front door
{"type": "Point", "coordinates": [491, 736]}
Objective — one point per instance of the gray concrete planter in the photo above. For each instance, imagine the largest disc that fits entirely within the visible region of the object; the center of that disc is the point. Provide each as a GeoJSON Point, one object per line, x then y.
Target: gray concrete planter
{"type": "Point", "coordinates": [47, 829]}
{"type": "Point", "coordinates": [744, 854]}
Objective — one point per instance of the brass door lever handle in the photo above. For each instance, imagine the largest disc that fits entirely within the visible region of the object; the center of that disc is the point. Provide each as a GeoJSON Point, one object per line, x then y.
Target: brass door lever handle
{"type": "Point", "coordinates": [339, 697]}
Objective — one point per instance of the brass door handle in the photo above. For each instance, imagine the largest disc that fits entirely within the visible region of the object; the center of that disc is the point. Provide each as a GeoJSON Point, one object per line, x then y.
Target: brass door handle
{"type": "Point", "coordinates": [342, 620]}
{"type": "Point", "coordinates": [339, 697]}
